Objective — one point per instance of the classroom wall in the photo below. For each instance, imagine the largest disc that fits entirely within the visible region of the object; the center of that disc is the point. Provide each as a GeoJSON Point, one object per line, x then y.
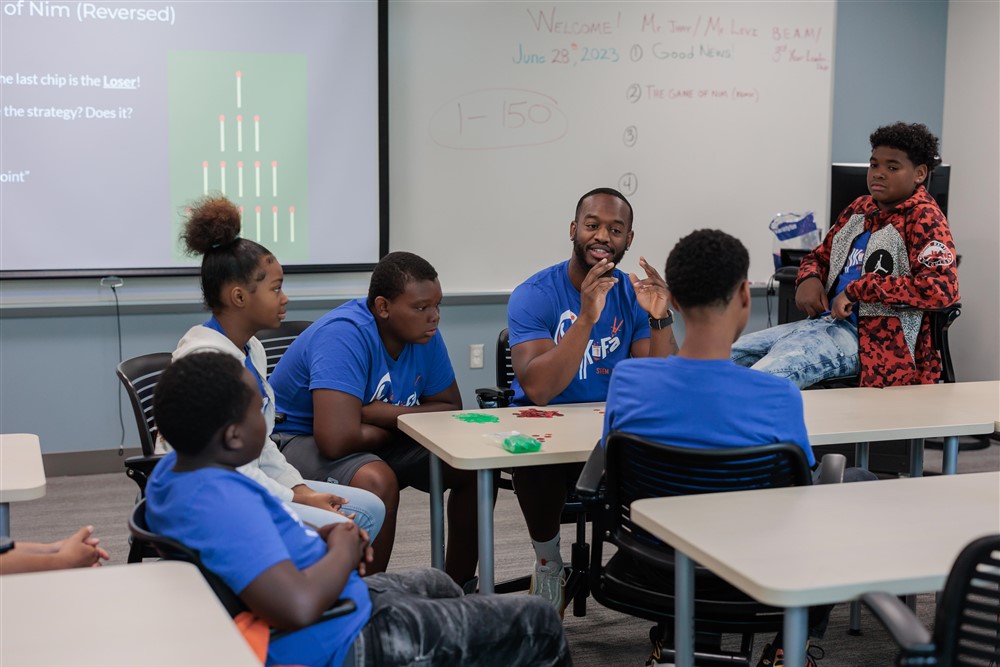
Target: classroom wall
{"type": "Point", "coordinates": [56, 363]}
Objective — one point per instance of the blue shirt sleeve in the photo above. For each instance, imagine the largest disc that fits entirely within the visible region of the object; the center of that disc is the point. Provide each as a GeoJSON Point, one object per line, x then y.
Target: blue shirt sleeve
{"type": "Point", "coordinates": [340, 359]}
{"type": "Point", "coordinates": [526, 311]}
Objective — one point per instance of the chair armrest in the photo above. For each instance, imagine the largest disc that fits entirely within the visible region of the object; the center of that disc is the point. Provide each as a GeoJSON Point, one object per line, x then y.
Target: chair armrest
{"type": "Point", "coordinates": [341, 607]}
{"type": "Point", "coordinates": [787, 275]}
{"type": "Point", "coordinates": [904, 628]}
{"type": "Point", "coordinates": [493, 397]}
{"type": "Point", "coordinates": [588, 486]}
{"type": "Point", "coordinates": [831, 469]}
{"type": "Point", "coordinates": [139, 468]}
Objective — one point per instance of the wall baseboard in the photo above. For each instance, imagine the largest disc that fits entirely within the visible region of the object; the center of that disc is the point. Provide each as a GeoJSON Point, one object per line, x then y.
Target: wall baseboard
{"type": "Point", "coordinates": [87, 463]}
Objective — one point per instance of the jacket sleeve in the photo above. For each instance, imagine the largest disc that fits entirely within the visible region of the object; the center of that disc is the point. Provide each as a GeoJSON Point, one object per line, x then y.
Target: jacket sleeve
{"type": "Point", "coordinates": [817, 263]}
{"type": "Point", "coordinates": [274, 464]}
{"type": "Point", "coordinates": [276, 488]}
{"type": "Point", "coordinates": [933, 279]}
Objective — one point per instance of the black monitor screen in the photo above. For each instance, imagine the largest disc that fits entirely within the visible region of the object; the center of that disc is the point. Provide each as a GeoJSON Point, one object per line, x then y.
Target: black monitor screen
{"type": "Point", "coordinates": [848, 181]}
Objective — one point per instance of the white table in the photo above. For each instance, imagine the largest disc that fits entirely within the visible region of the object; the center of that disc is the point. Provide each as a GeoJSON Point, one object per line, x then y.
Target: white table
{"type": "Point", "coordinates": [464, 446]}
{"type": "Point", "coordinates": [835, 542]}
{"type": "Point", "coordinates": [863, 415]}
{"type": "Point", "coordinates": [153, 614]}
{"type": "Point", "coordinates": [832, 416]}
{"type": "Point", "coordinates": [22, 476]}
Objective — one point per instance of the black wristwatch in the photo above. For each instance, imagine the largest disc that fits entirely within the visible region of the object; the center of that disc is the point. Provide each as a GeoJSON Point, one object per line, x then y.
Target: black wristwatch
{"type": "Point", "coordinates": [661, 324]}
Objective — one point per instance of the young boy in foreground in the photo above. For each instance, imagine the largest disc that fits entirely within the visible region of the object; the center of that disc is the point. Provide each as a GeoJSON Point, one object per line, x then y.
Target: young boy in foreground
{"type": "Point", "coordinates": [208, 407]}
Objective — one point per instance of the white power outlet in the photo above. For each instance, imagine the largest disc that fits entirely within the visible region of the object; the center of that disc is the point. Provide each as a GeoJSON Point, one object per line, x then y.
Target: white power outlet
{"type": "Point", "coordinates": [476, 355]}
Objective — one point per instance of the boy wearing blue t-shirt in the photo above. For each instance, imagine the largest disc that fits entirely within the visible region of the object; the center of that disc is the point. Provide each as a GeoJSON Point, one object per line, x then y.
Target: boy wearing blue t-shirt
{"type": "Point", "coordinates": [287, 573]}
{"type": "Point", "coordinates": [344, 381]}
{"type": "Point", "coordinates": [569, 325]}
{"type": "Point", "coordinates": [699, 397]}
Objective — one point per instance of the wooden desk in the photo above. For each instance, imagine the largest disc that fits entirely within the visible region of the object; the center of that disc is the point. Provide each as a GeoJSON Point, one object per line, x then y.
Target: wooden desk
{"type": "Point", "coordinates": [153, 614]}
{"type": "Point", "coordinates": [464, 445]}
{"type": "Point", "coordinates": [22, 476]}
{"type": "Point", "coordinates": [835, 542]}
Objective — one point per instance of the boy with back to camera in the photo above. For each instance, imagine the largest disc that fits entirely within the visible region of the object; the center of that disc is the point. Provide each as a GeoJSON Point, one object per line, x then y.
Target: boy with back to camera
{"type": "Point", "coordinates": [698, 397]}
{"type": "Point", "coordinates": [287, 573]}
{"type": "Point", "coordinates": [888, 256]}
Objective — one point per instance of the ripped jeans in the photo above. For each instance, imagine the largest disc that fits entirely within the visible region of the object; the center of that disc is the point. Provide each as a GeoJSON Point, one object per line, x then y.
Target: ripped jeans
{"type": "Point", "coordinates": [805, 352]}
{"type": "Point", "coordinates": [420, 617]}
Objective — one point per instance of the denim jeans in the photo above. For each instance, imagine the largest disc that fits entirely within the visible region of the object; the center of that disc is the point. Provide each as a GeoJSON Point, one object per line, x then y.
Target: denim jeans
{"type": "Point", "coordinates": [805, 352]}
{"type": "Point", "coordinates": [368, 508]}
{"type": "Point", "coordinates": [421, 617]}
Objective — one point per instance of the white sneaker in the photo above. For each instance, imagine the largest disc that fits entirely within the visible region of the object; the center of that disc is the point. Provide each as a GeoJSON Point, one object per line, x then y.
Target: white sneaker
{"type": "Point", "coordinates": [548, 582]}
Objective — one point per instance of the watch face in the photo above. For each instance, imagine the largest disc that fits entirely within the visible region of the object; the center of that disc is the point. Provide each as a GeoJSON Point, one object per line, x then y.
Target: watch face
{"type": "Point", "coordinates": [6, 544]}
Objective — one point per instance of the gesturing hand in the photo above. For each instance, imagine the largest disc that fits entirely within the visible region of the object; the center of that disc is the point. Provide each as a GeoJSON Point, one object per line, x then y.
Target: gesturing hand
{"type": "Point", "coordinates": [651, 292]}
{"type": "Point", "coordinates": [594, 291]}
{"type": "Point", "coordinates": [842, 307]}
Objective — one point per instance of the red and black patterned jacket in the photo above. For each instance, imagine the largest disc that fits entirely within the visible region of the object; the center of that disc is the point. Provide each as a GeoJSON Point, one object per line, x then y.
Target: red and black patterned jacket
{"type": "Point", "coordinates": [909, 261]}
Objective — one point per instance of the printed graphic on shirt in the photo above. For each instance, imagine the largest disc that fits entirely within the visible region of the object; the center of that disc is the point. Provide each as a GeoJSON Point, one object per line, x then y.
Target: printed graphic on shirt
{"type": "Point", "coordinates": [936, 253]}
{"type": "Point", "coordinates": [879, 262]}
{"type": "Point", "coordinates": [596, 349]}
{"type": "Point", "coordinates": [854, 259]}
{"type": "Point", "coordinates": [383, 392]}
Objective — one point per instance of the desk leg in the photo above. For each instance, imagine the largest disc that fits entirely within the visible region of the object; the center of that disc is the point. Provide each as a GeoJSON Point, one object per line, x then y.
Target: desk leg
{"type": "Point", "coordinates": [861, 455]}
{"type": "Point", "coordinates": [683, 610]}
{"type": "Point", "coordinates": [437, 513]}
{"type": "Point", "coordinates": [949, 462]}
{"type": "Point", "coordinates": [485, 509]}
{"type": "Point", "coordinates": [4, 520]}
{"type": "Point", "coordinates": [917, 457]}
{"type": "Point", "coordinates": [796, 634]}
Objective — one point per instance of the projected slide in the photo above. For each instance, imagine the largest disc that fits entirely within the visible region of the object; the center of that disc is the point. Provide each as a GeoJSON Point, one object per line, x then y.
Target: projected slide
{"type": "Point", "coordinates": [221, 106]}
{"type": "Point", "coordinates": [117, 115]}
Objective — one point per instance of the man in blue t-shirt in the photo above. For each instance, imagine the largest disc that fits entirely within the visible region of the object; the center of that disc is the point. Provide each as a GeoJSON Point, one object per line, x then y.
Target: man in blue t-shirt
{"type": "Point", "coordinates": [699, 397]}
{"type": "Point", "coordinates": [287, 573]}
{"type": "Point", "coordinates": [344, 381]}
{"type": "Point", "coordinates": [569, 325]}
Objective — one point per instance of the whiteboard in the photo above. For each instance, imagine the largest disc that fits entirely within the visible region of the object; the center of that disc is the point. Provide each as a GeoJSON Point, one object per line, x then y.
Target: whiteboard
{"type": "Point", "coordinates": [501, 114]}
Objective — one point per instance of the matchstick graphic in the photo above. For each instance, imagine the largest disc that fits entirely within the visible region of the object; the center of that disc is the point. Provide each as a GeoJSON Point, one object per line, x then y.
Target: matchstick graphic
{"type": "Point", "coordinates": [222, 133]}
{"type": "Point", "coordinates": [274, 216]}
{"type": "Point", "coordinates": [256, 133]}
{"type": "Point", "coordinates": [204, 177]}
{"type": "Point", "coordinates": [291, 222]}
{"type": "Point", "coordinates": [257, 209]}
{"type": "Point", "coordinates": [274, 178]}
{"type": "Point", "coordinates": [239, 89]}
{"type": "Point", "coordinates": [256, 166]}
{"type": "Point", "coordinates": [239, 177]}
{"type": "Point", "coordinates": [222, 175]}
{"type": "Point", "coordinates": [239, 134]}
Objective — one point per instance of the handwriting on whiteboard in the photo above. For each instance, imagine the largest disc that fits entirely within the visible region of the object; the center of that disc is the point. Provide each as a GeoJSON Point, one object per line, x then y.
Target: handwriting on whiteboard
{"type": "Point", "coordinates": [496, 118]}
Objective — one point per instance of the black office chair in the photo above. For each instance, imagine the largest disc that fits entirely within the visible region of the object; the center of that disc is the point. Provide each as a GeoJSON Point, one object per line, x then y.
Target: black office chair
{"type": "Point", "coordinates": [139, 375]}
{"type": "Point", "coordinates": [967, 622]}
{"type": "Point", "coordinates": [170, 549]}
{"type": "Point", "coordinates": [276, 341]}
{"type": "Point", "coordinates": [577, 587]}
{"type": "Point", "coordinates": [639, 579]}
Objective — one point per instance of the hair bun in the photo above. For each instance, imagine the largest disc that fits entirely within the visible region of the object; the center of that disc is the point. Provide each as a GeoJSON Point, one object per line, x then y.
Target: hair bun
{"type": "Point", "coordinates": [212, 224]}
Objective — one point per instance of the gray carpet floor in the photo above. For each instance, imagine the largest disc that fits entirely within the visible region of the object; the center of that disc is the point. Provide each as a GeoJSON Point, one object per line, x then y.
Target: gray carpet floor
{"type": "Point", "coordinates": [602, 637]}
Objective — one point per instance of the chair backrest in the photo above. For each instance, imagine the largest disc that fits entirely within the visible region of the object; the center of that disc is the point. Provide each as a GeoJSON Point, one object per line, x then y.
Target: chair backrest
{"type": "Point", "coordinates": [505, 367]}
{"type": "Point", "coordinates": [140, 375]}
{"type": "Point", "coordinates": [967, 625]}
{"type": "Point", "coordinates": [940, 321]}
{"type": "Point", "coordinates": [637, 468]}
{"type": "Point", "coordinates": [169, 549]}
{"type": "Point", "coordinates": [276, 341]}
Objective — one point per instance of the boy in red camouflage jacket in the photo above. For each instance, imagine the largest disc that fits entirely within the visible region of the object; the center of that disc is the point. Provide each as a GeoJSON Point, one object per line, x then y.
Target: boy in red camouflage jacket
{"type": "Point", "coordinates": [888, 256]}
